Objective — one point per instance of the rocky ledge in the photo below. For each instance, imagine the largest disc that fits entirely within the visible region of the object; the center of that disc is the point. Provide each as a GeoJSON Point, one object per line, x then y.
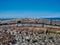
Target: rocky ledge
{"type": "Point", "coordinates": [29, 34]}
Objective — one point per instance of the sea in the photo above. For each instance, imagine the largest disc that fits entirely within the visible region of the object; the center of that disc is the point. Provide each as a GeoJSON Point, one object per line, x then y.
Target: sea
{"type": "Point", "coordinates": [3, 19]}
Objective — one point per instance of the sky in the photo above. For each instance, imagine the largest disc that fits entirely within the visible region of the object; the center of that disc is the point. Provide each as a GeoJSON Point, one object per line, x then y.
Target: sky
{"type": "Point", "coordinates": [29, 8]}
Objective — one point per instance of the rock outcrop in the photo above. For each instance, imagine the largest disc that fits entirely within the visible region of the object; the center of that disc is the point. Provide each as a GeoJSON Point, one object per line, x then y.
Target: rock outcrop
{"type": "Point", "coordinates": [27, 31]}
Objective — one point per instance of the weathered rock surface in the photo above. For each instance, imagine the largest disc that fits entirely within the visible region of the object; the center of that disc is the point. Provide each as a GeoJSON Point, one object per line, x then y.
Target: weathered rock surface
{"type": "Point", "coordinates": [30, 32]}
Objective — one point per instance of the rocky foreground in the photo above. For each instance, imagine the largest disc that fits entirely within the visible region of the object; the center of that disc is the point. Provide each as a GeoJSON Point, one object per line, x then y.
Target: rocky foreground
{"type": "Point", "coordinates": [29, 34]}
{"type": "Point", "coordinates": [27, 37]}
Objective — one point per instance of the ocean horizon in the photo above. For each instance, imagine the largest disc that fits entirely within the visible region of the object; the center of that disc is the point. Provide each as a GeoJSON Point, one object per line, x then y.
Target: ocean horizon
{"type": "Point", "coordinates": [2, 19]}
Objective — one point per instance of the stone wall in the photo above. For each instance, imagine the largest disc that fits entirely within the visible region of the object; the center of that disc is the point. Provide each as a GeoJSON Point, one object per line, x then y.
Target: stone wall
{"type": "Point", "coordinates": [31, 21]}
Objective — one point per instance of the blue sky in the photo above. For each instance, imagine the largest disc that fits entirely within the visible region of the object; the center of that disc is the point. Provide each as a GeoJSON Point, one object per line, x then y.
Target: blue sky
{"type": "Point", "coordinates": [29, 8]}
